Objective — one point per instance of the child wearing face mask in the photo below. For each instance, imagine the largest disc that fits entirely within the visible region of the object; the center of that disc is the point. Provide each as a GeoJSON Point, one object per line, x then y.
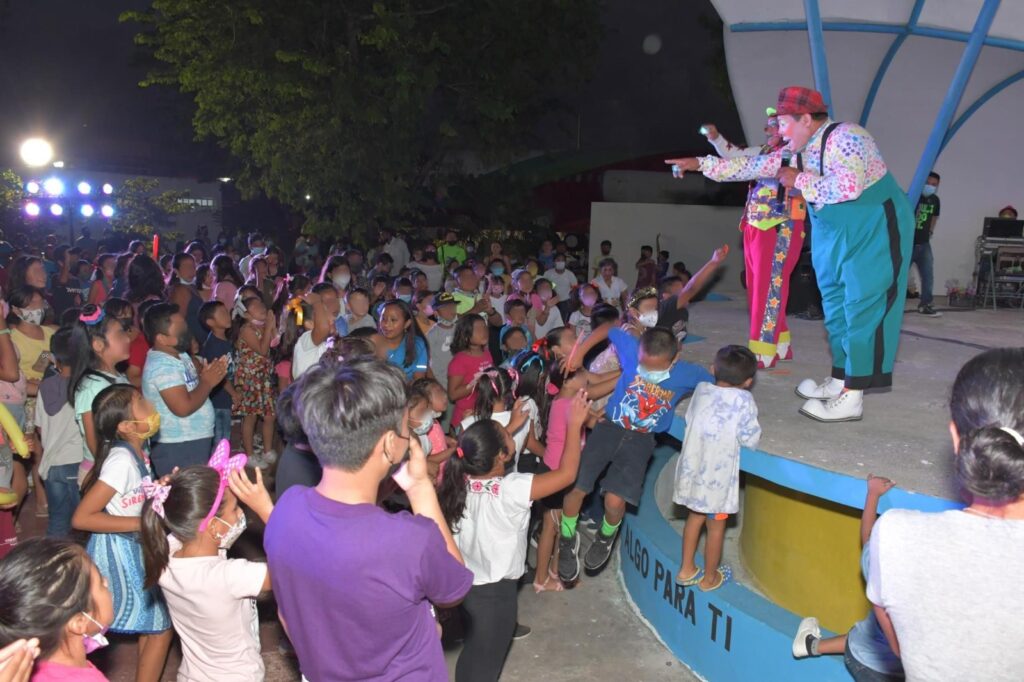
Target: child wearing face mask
{"type": "Point", "coordinates": [60, 574]}
{"type": "Point", "coordinates": [721, 418]}
{"type": "Point", "coordinates": [642, 312]}
{"type": "Point", "coordinates": [440, 336]}
{"type": "Point", "coordinates": [254, 329]}
{"type": "Point", "coordinates": [187, 527]}
{"type": "Point", "coordinates": [642, 404]}
{"type": "Point", "coordinates": [180, 390]}
{"type": "Point", "coordinates": [587, 296]}
{"type": "Point", "coordinates": [547, 316]}
{"type": "Point", "coordinates": [427, 404]}
{"type": "Point", "coordinates": [112, 498]}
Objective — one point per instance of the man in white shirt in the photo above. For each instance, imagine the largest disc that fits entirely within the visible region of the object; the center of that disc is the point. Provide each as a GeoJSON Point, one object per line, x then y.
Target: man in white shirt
{"type": "Point", "coordinates": [394, 246]}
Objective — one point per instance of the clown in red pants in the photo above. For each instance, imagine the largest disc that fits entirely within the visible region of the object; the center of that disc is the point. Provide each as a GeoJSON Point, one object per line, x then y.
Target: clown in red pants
{"type": "Point", "coordinates": [770, 255]}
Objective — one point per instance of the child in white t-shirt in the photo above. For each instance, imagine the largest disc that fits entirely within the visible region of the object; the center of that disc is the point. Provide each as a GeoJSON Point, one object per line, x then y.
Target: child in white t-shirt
{"type": "Point", "coordinates": [495, 399]}
{"type": "Point", "coordinates": [187, 527]}
{"type": "Point", "coordinates": [721, 418]}
{"type": "Point", "coordinates": [489, 513]}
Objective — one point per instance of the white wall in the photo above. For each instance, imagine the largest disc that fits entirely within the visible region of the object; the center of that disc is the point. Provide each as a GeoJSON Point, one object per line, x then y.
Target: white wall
{"type": "Point", "coordinates": [980, 169]}
{"type": "Point", "coordinates": [688, 233]}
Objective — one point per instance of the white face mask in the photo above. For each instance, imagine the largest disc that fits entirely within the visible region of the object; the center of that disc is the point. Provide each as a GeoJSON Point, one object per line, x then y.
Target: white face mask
{"type": "Point", "coordinates": [233, 532]}
{"type": "Point", "coordinates": [31, 316]}
{"type": "Point", "coordinates": [426, 423]}
{"type": "Point", "coordinates": [559, 265]}
{"type": "Point", "coordinates": [96, 641]}
{"type": "Point", "coordinates": [648, 319]}
{"type": "Point", "coordinates": [341, 281]}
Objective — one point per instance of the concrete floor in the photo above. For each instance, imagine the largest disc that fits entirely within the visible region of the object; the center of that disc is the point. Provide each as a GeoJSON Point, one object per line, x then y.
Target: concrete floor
{"type": "Point", "coordinates": [904, 432]}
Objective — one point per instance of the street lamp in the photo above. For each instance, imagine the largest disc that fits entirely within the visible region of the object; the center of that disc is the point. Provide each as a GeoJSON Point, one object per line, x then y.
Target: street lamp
{"type": "Point", "coordinates": [36, 151]}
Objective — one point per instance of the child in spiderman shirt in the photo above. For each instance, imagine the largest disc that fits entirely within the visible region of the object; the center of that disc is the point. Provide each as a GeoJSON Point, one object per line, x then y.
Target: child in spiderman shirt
{"type": "Point", "coordinates": [643, 402]}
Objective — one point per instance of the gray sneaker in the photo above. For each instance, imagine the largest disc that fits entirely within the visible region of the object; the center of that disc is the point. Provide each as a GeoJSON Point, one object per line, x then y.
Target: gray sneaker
{"type": "Point", "coordinates": [600, 551]}
{"type": "Point", "coordinates": [568, 558]}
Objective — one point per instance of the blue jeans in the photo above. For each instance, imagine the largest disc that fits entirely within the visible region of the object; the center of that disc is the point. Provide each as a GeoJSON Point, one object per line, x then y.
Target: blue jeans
{"type": "Point", "coordinates": [63, 496]}
{"type": "Point", "coordinates": [922, 257]}
{"type": "Point", "coordinates": [221, 425]}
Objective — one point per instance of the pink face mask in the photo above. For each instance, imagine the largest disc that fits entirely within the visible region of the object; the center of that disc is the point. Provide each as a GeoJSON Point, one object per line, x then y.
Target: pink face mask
{"type": "Point", "coordinates": [96, 641]}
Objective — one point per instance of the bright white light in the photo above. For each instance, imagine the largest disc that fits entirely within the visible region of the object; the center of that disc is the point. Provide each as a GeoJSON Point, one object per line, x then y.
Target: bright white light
{"type": "Point", "coordinates": [56, 209]}
{"type": "Point", "coordinates": [84, 188]}
{"type": "Point", "coordinates": [108, 188]}
{"type": "Point", "coordinates": [32, 208]}
{"type": "Point", "coordinates": [32, 187]}
{"type": "Point", "coordinates": [58, 164]}
{"type": "Point", "coordinates": [87, 210]}
{"type": "Point", "coordinates": [224, 179]}
{"type": "Point", "coordinates": [53, 186]}
{"type": "Point", "coordinates": [36, 151]}
{"type": "Point", "coordinates": [308, 197]}
{"type": "Point", "coordinates": [107, 210]}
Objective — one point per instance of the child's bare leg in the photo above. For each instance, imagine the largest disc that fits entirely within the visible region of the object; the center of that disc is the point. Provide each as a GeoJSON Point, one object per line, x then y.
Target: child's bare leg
{"type": "Point", "coordinates": [545, 547]}
{"type": "Point", "coordinates": [268, 433]}
{"type": "Point", "coordinates": [832, 645]}
{"type": "Point", "coordinates": [153, 655]}
{"type": "Point", "coordinates": [691, 538]}
{"type": "Point", "coordinates": [248, 429]}
{"type": "Point", "coordinates": [573, 503]}
{"type": "Point", "coordinates": [614, 508]}
{"type": "Point", "coordinates": [713, 550]}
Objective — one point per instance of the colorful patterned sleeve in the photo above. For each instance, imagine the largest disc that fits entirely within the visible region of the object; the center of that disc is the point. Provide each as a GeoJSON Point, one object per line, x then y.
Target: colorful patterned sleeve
{"type": "Point", "coordinates": [852, 163]}
{"type": "Point", "coordinates": [741, 167]}
{"type": "Point", "coordinates": [727, 150]}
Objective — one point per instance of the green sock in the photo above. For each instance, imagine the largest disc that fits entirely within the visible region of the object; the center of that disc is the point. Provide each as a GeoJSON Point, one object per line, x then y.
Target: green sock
{"type": "Point", "coordinates": [608, 529]}
{"type": "Point", "coordinates": [569, 525]}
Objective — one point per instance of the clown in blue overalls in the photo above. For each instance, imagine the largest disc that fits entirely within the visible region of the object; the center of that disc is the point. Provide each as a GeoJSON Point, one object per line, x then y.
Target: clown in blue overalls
{"type": "Point", "coordinates": [863, 227]}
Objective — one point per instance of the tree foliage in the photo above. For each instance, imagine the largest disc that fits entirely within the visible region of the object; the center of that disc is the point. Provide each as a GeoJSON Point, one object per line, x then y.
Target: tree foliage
{"type": "Point", "coordinates": [367, 106]}
{"type": "Point", "coordinates": [141, 209]}
{"type": "Point", "coordinates": [11, 195]}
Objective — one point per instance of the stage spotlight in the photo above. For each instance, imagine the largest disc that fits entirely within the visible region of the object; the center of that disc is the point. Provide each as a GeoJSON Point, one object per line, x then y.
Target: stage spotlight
{"type": "Point", "coordinates": [53, 186]}
{"type": "Point", "coordinates": [107, 210]}
{"type": "Point", "coordinates": [108, 188]}
{"type": "Point", "coordinates": [57, 209]}
{"type": "Point", "coordinates": [84, 188]}
{"type": "Point", "coordinates": [32, 187]}
{"type": "Point", "coordinates": [32, 208]}
{"type": "Point", "coordinates": [87, 210]}
{"type": "Point", "coordinates": [36, 152]}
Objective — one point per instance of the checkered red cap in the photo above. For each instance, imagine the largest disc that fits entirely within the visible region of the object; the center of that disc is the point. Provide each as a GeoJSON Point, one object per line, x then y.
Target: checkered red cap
{"type": "Point", "coordinates": [796, 100]}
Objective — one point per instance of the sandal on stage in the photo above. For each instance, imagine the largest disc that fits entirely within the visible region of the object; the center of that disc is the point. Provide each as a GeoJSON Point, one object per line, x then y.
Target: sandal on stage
{"type": "Point", "coordinates": [725, 575]}
{"type": "Point", "coordinates": [697, 576]}
{"type": "Point", "coordinates": [543, 587]}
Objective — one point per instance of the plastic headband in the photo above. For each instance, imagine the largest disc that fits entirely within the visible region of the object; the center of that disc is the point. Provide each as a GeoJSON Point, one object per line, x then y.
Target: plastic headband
{"type": "Point", "coordinates": [223, 463]}
{"type": "Point", "coordinates": [239, 308]}
{"type": "Point", "coordinates": [295, 306]}
{"type": "Point", "coordinates": [93, 318]}
{"type": "Point", "coordinates": [641, 294]}
{"type": "Point", "coordinates": [533, 359]}
{"type": "Point", "coordinates": [1013, 433]}
{"type": "Point", "coordinates": [156, 492]}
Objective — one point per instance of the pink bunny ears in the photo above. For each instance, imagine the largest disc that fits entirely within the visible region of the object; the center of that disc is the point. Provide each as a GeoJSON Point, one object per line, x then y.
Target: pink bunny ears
{"type": "Point", "coordinates": [224, 464]}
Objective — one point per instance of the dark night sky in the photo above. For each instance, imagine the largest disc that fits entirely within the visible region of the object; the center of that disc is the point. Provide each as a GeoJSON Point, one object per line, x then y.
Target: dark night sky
{"type": "Point", "coordinates": [71, 73]}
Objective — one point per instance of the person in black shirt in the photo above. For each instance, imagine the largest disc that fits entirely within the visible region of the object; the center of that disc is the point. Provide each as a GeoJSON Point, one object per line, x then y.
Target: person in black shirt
{"type": "Point", "coordinates": [676, 295]}
{"type": "Point", "coordinates": [65, 288]}
{"type": "Point", "coordinates": [927, 215]}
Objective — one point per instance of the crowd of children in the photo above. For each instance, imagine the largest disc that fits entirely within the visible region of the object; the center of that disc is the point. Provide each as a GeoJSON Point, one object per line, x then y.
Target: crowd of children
{"type": "Point", "coordinates": [420, 407]}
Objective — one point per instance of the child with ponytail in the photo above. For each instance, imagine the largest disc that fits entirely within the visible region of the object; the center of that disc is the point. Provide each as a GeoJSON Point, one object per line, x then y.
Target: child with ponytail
{"type": "Point", "coordinates": [254, 329]}
{"type": "Point", "coordinates": [188, 525]}
{"type": "Point", "coordinates": [495, 400]}
{"type": "Point", "coordinates": [111, 506]}
{"type": "Point", "coordinates": [489, 513]}
{"type": "Point", "coordinates": [98, 343]}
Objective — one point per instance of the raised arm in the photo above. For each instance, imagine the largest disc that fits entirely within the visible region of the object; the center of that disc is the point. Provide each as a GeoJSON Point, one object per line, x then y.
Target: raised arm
{"type": "Point", "coordinates": [564, 476]}
{"type": "Point", "coordinates": [741, 168]}
{"type": "Point", "coordinates": [700, 280]}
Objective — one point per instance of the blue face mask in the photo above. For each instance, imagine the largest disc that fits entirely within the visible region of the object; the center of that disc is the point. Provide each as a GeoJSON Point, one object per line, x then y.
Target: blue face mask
{"type": "Point", "coordinates": [653, 376]}
{"type": "Point", "coordinates": [928, 190]}
{"type": "Point", "coordinates": [405, 297]}
{"type": "Point", "coordinates": [258, 250]}
{"type": "Point", "coordinates": [498, 269]}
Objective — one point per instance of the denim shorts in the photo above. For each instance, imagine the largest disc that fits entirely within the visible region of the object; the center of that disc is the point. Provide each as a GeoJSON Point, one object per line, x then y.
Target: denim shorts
{"type": "Point", "coordinates": [862, 673]}
{"type": "Point", "coordinates": [624, 453]}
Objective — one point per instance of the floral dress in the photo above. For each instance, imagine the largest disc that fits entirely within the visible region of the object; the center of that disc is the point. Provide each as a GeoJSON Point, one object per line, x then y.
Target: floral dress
{"type": "Point", "coordinates": [254, 379]}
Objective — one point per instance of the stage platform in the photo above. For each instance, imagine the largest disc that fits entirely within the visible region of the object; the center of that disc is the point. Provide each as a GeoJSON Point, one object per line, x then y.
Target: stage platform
{"type": "Point", "coordinates": [904, 433]}
{"type": "Point", "coordinates": [795, 544]}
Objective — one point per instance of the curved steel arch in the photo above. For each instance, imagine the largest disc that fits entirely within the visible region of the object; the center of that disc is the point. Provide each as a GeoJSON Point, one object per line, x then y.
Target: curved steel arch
{"type": "Point", "coordinates": [978, 104]}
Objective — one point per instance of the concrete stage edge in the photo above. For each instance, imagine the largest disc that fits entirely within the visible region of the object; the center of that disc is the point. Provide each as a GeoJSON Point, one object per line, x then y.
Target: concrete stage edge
{"type": "Point", "coordinates": [734, 633]}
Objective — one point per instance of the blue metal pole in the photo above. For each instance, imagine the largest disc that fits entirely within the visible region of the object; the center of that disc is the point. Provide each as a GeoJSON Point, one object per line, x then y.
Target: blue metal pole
{"type": "Point", "coordinates": [819, 59]}
{"type": "Point", "coordinates": [953, 95]}
{"type": "Point", "coordinates": [897, 43]}
{"type": "Point", "coordinates": [978, 104]}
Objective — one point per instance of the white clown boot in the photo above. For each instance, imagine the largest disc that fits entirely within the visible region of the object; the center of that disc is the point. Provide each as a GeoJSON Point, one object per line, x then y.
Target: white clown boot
{"type": "Point", "coordinates": [826, 390]}
{"type": "Point", "coordinates": [848, 406]}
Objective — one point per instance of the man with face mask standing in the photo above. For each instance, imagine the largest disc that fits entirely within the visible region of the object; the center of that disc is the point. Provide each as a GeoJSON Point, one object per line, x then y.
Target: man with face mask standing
{"type": "Point", "coordinates": [927, 214]}
{"type": "Point", "coordinates": [863, 233]}
{"type": "Point", "coordinates": [773, 235]}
